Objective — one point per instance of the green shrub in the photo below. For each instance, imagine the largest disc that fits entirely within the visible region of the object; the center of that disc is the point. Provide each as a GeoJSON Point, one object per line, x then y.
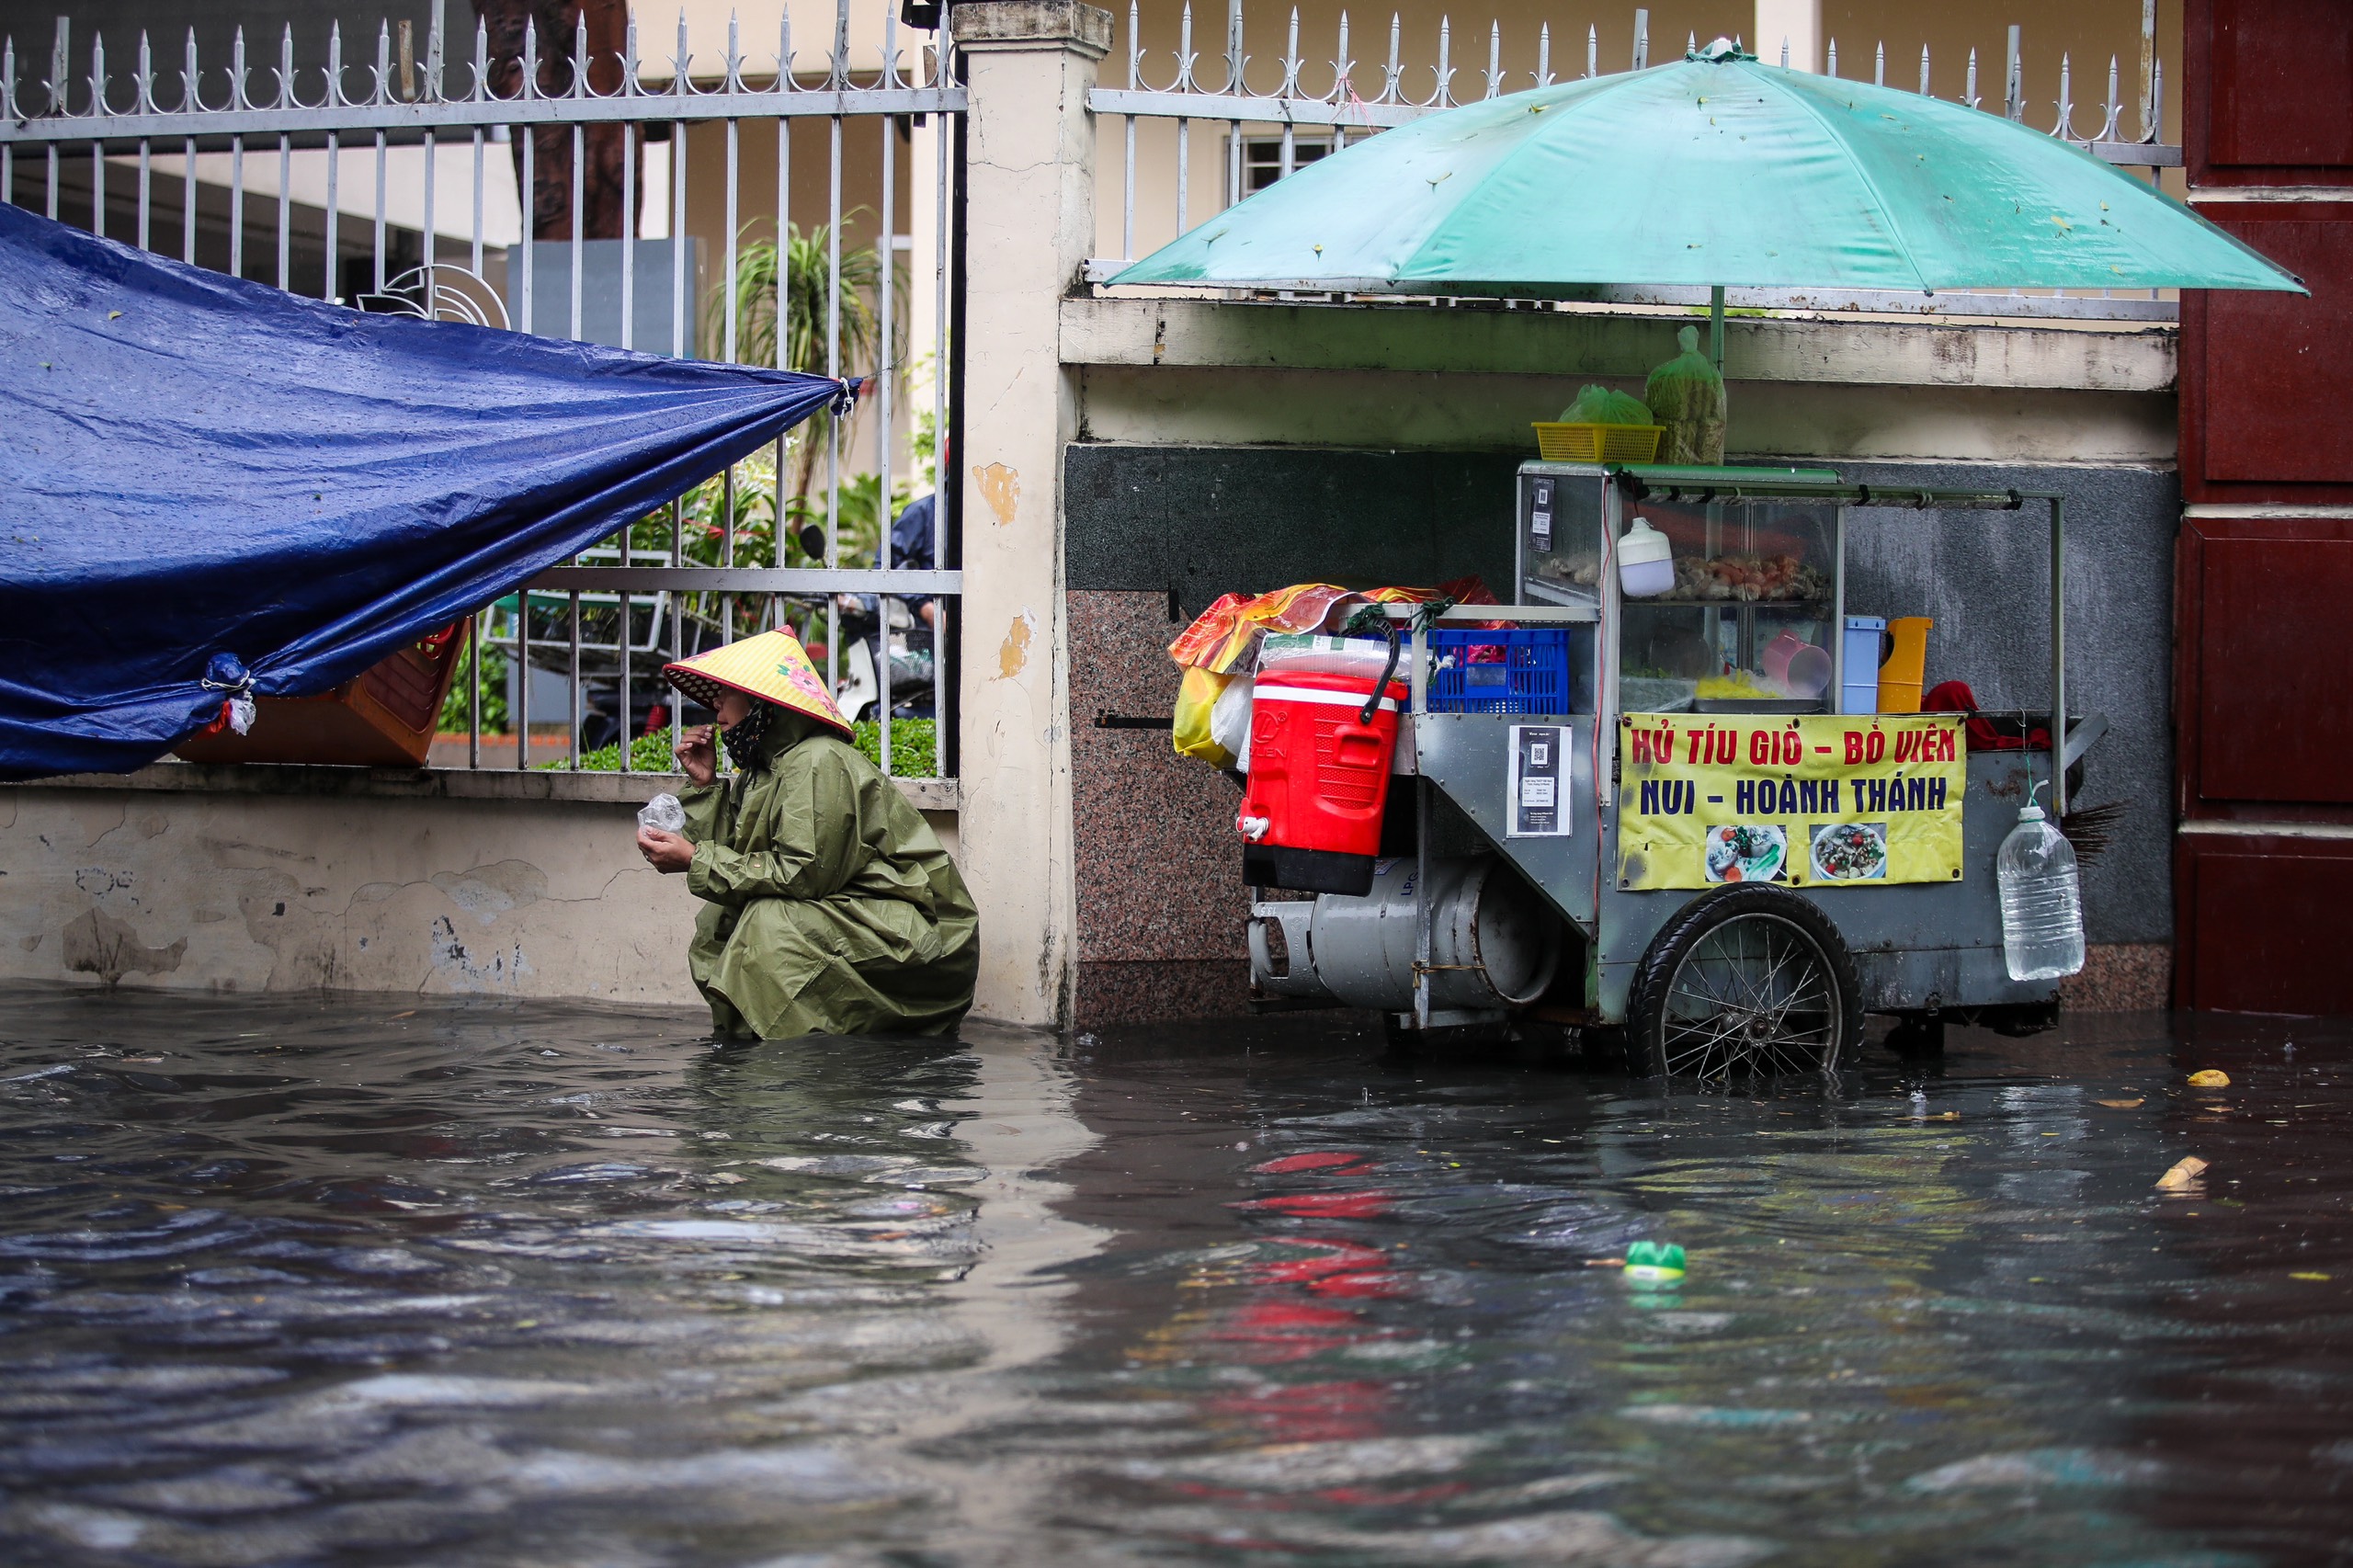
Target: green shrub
{"type": "Point", "coordinates": [913, 751]}
{"type": "Point", "coordinates": [454, 714]}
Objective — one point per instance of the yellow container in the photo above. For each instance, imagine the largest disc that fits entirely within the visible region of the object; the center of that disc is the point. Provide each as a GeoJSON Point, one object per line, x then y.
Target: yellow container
{"type": "Point", "coordinates": [1900, 677]}
{"type": "Point", "coordinates": [1557, 443]}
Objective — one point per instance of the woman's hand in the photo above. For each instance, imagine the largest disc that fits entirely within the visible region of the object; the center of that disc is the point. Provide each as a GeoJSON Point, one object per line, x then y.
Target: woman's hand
{"type": "Point", "coordinates": [698, 758]}
{"type": "Point", "coordinates": [666, 851]}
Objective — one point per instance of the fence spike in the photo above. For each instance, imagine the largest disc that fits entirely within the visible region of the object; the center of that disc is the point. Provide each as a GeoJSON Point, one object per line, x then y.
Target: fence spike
{"type": "Point", "coordinates": [1879, 66]}
{"type": "Point", "coordinates": [146, 81]}
{"type": "Point", "coordinates": [1592, 49]}
{"type": "Point", "coordinates": [383, 63]}
{"type": "Point", "coordinates": [8, 80]}
{"type": "Point", "coordinates": [680, 82]}
{"type": "Point", "coordinates": [1185, 83]}
{"type": "Point", "coordinates": [434, 58]}
{"type": "Point", "coordinates": [1291, 59]}
{"type": "Point", "coordinates": [1235, 59]}
{"type": "Point", "coordinates": [286, 95]}
{"type": "Point", "coordinates": [531, 77]}
{"type": "Point", "coordinates": [2014, 83]}
{"type": "Point", "coordinates": [1924, 70]}
{"type": "Point", "coordinates": [1495, 59]}
{"type": "Point", "coordinates": [98, 71]}
{"type": "Point", "coordinates": [2111, 109]}
{"type": "Point", "coordinates": [1343, 67]}
{"type": "Point", "coordinates": [1832, 69]}
{"type": "Point", "coordinates": [237, 72]}
{"type": "Point", "coordinates": [480, 93]}
{"type": "Point", "coordinates": [1444, 95]}
{"type": "Point", "coordinates": [1544, 55]}
{"type": "Point", "coordinates": [1394, 70]}
{"type": "Point", "coordinates": [335, 94]}
{"type": "Point", "coordinates": [2064, 128]}
{"type": "Point", "coordinates": [2156, 103]}
{"type": "Point", "coordinates": [841, 43]}
{"type": "Point", "coordinates": [191, 99]}
{"type": "Point", "coordinates": [2148, 69]}
{"type": "Point", "coordinates": [580, 54]}
{"type": "Point", "coordinates": [59, 86]}
{"type": "Point", "coordinates": [1641, 38]}
{"type": "Point", "coordinates": [1135, 54]}
{"type": "Point", "coordinates": [1970, 96]}
{"type": "Point", "coordinates": [1785, 51]}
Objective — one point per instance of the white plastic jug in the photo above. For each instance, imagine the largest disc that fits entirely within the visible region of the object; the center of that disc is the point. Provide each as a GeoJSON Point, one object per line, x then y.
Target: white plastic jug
{"type": "Point", "coordinates": [1645, 562]}
{"type": "Point", "coordinates": [2042, 905]}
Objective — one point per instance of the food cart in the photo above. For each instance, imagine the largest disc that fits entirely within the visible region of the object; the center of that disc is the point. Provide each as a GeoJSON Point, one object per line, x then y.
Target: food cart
{"type": "Point", "coordinates": [1649, 813]}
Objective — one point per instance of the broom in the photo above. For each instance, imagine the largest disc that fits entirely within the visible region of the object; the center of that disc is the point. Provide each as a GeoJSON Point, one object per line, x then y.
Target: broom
{"type": "Point", "coordinates": [2090, 832]}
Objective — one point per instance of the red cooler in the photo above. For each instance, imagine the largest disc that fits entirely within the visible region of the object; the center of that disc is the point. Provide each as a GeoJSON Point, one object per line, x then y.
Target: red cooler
{"type": "Point", "coordinates": [1319, 782]}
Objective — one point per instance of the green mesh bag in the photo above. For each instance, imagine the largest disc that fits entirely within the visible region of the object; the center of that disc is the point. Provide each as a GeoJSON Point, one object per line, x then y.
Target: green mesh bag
{"type": "Point", "coordinates": [1600, 405]}
{"type": "Point", "coordinates": [1686, 395]}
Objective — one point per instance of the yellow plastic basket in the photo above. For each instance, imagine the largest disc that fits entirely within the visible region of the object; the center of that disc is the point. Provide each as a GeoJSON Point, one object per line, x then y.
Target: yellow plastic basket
{"type": "Point", "coordinates": [1597, 443]}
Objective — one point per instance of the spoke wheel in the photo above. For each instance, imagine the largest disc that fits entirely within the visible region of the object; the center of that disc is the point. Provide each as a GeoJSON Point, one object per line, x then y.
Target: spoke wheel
{"type": "Point", "coordinates": [1746, 983]}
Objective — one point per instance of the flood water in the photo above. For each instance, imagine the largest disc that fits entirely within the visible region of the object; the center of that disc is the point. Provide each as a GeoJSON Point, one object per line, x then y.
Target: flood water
{"type": "Point", "coordinates": [398, 1281]}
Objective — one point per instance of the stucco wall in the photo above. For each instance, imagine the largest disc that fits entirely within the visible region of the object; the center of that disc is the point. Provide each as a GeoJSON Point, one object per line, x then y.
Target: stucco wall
{"type": "Point", "coordinates": [233, 890]}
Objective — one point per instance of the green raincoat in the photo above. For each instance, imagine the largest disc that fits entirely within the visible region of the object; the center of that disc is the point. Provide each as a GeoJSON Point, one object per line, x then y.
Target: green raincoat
{"type": "Point", "coordinates": [831, 907]}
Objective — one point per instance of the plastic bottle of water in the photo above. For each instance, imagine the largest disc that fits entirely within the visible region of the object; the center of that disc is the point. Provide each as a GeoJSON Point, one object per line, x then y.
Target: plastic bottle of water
{"type": "Point", "coordinates": [2043, 905]}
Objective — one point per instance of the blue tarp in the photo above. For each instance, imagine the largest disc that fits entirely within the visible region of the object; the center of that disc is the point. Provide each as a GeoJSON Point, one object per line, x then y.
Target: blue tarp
{"type": "Point", "coordinates": [210, 481]}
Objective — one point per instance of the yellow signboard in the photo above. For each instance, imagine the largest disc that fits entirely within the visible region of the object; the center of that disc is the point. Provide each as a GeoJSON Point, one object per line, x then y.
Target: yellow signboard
{"type": "Point", "coordinates": [1813, 800]}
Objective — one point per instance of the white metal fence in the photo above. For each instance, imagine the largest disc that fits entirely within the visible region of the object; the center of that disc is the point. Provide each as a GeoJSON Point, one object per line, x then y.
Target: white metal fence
{"type": "Point", "coordinates": [229, 174]}
{"type": "Point", "coordinates": [1265, 128]}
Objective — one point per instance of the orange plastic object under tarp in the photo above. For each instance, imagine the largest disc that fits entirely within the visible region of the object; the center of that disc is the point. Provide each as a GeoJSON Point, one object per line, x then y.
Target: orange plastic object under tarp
{"type": "Point", "coordinates": [1209, 649]}
{"type": "Point", "coordinates": [384, 716]}
{"type": "Point", "coordinates": [1220, 635]}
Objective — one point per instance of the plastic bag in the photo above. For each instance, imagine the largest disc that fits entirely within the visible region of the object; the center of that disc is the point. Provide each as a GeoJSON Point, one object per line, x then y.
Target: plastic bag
{"type": "Point", "coordinates": [665, 813]}
{"type": "Point", "coordinates": [1600, 405]}
{"type": "Point", "coordinates": [1196, 697]}
{"type": "Point", "coordinates": [1230, 719]}
{"type": "Point", "coordinates": [1686, 395]}
{"type": "Point", "coordinates": [1366, 657]}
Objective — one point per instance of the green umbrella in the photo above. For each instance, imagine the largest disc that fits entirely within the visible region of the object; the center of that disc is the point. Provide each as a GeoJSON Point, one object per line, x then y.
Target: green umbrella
{"type": "Point", "coordinates": [1715, 171]}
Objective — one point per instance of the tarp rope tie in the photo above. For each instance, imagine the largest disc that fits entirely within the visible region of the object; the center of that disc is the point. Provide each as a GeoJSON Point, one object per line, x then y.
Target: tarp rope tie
{"type": "Point", "coordinates": [227, 673]}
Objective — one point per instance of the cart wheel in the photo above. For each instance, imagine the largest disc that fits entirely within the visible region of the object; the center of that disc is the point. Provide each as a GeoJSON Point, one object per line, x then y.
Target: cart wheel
{"type": "Point", "coordinates": [1746, 983]}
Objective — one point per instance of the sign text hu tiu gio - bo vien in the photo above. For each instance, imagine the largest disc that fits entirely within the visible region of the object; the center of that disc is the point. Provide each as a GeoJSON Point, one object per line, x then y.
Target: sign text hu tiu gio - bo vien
{"type": "Point", "coordinates": [1814, 801]}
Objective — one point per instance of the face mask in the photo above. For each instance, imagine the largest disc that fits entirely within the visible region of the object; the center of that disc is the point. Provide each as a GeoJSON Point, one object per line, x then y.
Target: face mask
{"type": "Point", "coordinates": [743, 738]}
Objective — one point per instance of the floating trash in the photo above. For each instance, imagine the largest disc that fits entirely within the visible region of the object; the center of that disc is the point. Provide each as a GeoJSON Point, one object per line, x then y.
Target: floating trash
{"type": "Point", "coordinates": [1653, 1263]}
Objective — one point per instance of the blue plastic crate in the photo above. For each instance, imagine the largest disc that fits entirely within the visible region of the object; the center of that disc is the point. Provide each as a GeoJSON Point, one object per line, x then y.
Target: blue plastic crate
{"type": "Point", "coordinates": [1534, 673]}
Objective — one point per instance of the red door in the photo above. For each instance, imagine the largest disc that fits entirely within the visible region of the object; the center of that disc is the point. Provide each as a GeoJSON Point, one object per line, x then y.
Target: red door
{"type": "Point", "coordinates": [2263, 593]}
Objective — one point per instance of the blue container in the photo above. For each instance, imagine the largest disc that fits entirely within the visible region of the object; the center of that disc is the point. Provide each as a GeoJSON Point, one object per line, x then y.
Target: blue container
{"type": "Point", "coordinates": [1859, 681]}
{"type": "Point", "coordinates": [1537, 671]}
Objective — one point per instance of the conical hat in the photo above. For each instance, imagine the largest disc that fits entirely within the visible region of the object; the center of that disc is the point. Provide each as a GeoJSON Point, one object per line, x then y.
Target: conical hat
{"type": "Point", "coordinates": [772, 666]}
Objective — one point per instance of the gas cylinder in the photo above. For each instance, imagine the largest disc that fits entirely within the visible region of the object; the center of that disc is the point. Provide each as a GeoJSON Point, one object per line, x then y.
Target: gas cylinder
{"type": "Point", "coordinates": [1495, 943]}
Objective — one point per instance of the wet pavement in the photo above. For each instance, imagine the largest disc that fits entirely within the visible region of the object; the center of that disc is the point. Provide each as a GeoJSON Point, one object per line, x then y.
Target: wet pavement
{"type": "Point", "coordinates": [389, 1281]}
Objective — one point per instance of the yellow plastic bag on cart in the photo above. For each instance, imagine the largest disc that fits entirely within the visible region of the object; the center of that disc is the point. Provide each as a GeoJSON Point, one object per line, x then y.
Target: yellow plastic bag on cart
{"type": "Point", "coordinates": [1197, 696]}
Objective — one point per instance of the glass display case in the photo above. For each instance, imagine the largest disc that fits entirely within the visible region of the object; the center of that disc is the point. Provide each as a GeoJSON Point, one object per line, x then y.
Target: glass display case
{"type": "Point", "coordinates": [1725, 597]}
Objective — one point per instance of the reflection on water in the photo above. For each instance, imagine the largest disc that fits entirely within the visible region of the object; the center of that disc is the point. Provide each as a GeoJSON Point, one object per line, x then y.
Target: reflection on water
{"type": "Point", "coordinates": [392, 1281]}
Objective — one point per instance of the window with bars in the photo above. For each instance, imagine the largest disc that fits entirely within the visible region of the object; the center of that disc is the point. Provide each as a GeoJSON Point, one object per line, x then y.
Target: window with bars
{"type": "Point", "coordinates": [1262, 158]}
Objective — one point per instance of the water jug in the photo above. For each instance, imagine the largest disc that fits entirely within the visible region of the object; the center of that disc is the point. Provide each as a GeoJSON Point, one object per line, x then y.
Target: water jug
{"type": "Point", "coordinates": [2042, 906]}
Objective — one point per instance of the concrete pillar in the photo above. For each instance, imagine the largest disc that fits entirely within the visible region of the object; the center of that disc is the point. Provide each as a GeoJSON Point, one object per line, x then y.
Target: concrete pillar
{"type": "Point", "coordinates": [1796, 22]}
{"type": "Point", "coordinates": [1029, 222]}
